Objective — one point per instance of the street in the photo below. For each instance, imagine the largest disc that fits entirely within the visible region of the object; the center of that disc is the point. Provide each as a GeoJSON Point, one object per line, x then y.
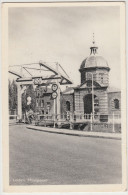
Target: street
{"type": "Point", "coordinates": [42, 158]}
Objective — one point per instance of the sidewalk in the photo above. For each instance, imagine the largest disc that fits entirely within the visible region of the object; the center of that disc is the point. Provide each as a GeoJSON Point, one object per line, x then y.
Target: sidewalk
{"type": "Point", "coordinates": [76, 132]}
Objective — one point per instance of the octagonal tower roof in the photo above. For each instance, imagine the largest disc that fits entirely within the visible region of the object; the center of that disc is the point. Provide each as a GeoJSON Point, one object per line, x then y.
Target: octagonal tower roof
{"type": "Point", "coordinates": [94, 60]}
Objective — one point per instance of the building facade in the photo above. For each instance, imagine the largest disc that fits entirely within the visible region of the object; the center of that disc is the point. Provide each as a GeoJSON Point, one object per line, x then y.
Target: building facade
{"type": "Point", "coordinates": [93, 95]}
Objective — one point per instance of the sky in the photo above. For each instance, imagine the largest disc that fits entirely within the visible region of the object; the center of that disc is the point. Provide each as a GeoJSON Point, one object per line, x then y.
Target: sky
{"type": "Point", "coordinates": [64, 35]}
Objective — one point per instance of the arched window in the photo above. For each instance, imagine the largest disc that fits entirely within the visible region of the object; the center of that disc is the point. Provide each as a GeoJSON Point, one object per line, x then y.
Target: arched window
{"type": "Point", "coordinates": [116, 103]}
{"type": "Point", "coordinates": [67, 106]}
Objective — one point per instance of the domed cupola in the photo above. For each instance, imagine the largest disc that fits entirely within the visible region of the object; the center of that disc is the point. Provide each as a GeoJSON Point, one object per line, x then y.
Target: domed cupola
{"type": "Point", "coordinates": [96, 65]}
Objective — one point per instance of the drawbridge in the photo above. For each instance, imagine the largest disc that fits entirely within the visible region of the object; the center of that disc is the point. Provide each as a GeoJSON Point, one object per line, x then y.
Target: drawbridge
{"type": "Point", "coordinates": [40, 74]}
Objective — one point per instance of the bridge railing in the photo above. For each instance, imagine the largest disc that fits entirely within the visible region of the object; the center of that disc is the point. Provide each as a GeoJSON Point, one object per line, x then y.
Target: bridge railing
{"type": "Point", "coordinates": [82, 117]}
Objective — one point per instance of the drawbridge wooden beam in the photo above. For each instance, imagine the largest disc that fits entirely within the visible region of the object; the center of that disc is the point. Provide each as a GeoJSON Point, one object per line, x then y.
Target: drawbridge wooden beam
{"type": "Point", "coordinates": [56, 73]}
{"type": "Point", "coordinates": [15, 73]}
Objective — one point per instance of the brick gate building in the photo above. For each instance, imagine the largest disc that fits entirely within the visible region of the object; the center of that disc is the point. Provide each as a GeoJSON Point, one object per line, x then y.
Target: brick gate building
{"type": "Point", "coordinates": [106, 100]}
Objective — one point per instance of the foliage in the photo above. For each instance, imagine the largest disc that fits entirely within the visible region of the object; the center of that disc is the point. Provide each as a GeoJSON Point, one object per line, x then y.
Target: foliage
{"type": "Point", "coordinates": [29, 92]}
{"type": "Point", "coordinates": [12, 87]}
{"type": "Point", "coordinates": [12, 95]}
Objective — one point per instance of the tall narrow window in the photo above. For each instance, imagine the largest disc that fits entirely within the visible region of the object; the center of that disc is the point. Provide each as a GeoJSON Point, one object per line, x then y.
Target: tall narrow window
{"type": "Point", "coordinates": [116, 103]}
{"type": "Point", "coordinates": [37, 102]}
{"type": "Point", "coordinates": [38, 93]}
{"type": "Point", "coordinates": [48, 104]}
{"type": "Point", "coordinates": [42, 103]}
{"type": "Point", "coordinates": [48, 107]}
{"type": "Point", "coordinates": [42, 111]}
{"type": "Point", "coordinates": [67, 106]}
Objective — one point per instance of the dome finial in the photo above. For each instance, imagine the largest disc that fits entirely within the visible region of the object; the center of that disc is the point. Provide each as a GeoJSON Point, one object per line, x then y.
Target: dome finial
{"type": "Point", "coordinates": [94, 47]}
{"type": "Point", "coordinates": [93, 39]}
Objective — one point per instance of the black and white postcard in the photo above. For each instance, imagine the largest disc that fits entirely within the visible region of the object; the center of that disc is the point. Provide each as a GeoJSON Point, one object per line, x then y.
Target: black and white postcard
{"type": "Point", "coordinates": [64, 97]}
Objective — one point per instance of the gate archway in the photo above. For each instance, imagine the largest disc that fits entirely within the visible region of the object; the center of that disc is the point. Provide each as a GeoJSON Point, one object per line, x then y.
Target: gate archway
{"type": "Point", "coordinates": [88, 103]}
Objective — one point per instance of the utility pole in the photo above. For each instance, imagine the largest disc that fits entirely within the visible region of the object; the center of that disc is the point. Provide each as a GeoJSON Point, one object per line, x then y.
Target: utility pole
{"type": "Point", "coordinates": [54, 113]}
{"type": "Point", "coordinates": [92, 97]}
{"type": "Point", "coordinates": [58, 97]}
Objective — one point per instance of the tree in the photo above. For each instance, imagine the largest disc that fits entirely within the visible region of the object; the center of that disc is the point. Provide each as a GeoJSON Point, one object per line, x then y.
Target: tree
{"type": "Point", "coordinates": [14, 95]}
{"type": "Point", "coordinates": [28, 92]}
{"type": "Point", "coordinates": [10, 94]}
{"type": "Point", "coordinates": [12, 87]}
